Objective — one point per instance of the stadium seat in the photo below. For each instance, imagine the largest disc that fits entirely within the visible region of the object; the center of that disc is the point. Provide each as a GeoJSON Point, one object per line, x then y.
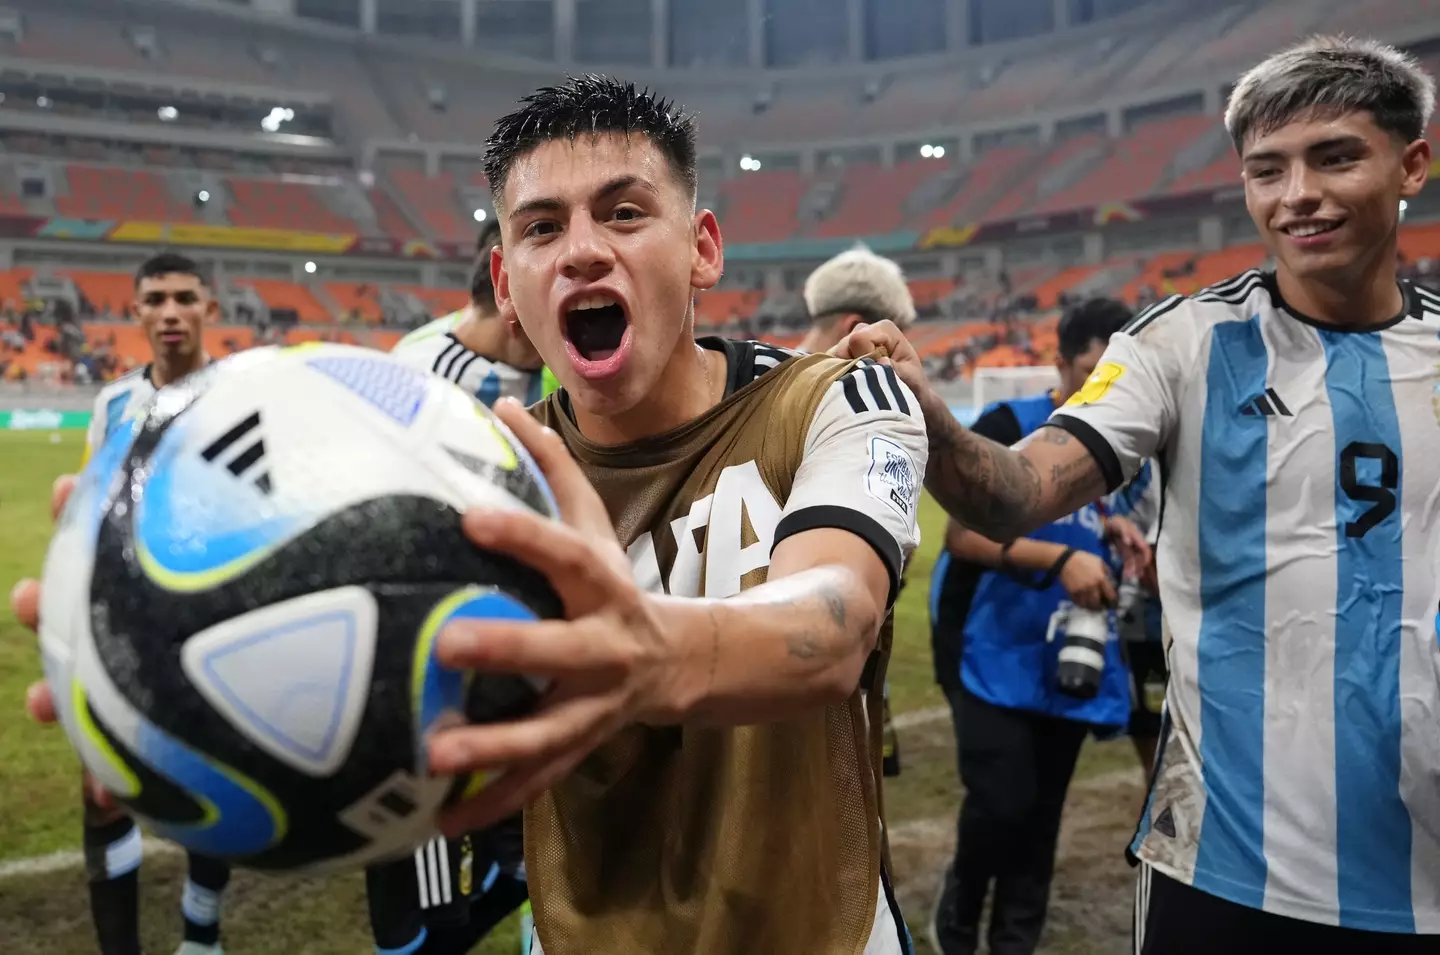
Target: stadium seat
{"type": "Point", "coordinates": [107, 291]}
{"type": "Point", "coordinates": [269, 204]}
{"type": "Point", "coordinates": [437, 203]}
{"type": "Point", "coordinates": [991, 172]}
{"type": "Point", "coordinates": [761, 206]}
{"type": "Point", "coordinates": [291, 297]}
{"type": "Point", "coordinates": [1134, 166]}
{"type": "Point", "coordinates": [872, 198]}
{"type": "Point", "coordinates": [113, 193]}
{"type": "Point", "coordinates": [355, 298]}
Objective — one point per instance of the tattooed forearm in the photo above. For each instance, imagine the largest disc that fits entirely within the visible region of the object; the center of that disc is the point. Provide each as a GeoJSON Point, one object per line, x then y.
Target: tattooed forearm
{"type": "Point", "coordinates": [1001, 492]}
{"type": "Point", "coordinates": [983, 485]}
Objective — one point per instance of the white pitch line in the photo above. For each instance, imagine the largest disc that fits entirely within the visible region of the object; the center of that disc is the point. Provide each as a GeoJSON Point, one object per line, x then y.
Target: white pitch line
{"type": "Point", "coordinates": [67, 859]}
{"type": "Point", "coordinates": [916, 718]}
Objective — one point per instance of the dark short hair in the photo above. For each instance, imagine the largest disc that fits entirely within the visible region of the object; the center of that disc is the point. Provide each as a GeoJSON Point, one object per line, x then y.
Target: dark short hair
{"type": "Point", "coordinates": [482, 288]}
{"type": "Point", "coordinates": [170, 263]}
{"type": "Point", "coordinates": [1093, 320]}
{"type": "Point", "coordinates": [590, 104]}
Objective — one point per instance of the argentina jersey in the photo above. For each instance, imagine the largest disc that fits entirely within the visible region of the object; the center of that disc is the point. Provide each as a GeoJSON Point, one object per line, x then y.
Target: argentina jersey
{"type": "Point", "coordinates": [1299, 568]}
{"type": "Point", "coordinates": [116, 404]}
{"type": "Point", "coordinates": [435, 348]}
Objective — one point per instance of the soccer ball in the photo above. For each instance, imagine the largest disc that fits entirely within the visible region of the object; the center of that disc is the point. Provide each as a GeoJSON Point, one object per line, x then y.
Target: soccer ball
{"type": "Point", "coordinates": [243, 593]}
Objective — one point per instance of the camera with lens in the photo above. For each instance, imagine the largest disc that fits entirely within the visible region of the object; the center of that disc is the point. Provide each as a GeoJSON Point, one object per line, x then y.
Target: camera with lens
{"type": "Point", "coordinates": [1082, 656]}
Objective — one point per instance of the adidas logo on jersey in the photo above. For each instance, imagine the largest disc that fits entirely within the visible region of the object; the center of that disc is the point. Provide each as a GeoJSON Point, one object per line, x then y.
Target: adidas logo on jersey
{"type": "Point", "coordinates": [251, 457]}
{"type": "Point", "coordinates": [1267, 405]}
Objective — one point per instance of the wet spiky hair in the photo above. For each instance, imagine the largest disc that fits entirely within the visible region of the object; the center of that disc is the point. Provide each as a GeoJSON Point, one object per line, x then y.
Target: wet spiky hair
{"type": "Point", "coordinates": [590, 104]}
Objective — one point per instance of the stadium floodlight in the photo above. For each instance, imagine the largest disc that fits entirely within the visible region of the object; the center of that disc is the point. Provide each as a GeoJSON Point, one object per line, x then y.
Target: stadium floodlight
{"type": "Point", "coordinates": [203, 195]}
{"type": "Point", "coordinates": [749, 164]}
{"type": "Point", "coordinates": [43, 102]}
{"type": "Point", "coordinates": [480, 215]}
{"type": "Point", "coordinates": [927, 151]}
{"type": "Point", "coordinates": [938, 152]}
{"type": "Point", "coordinates": [278, 116]}
{"type": "Point", "coordinates": [168, 114]}
{"type": "Point", "coordinates": [309, 268]}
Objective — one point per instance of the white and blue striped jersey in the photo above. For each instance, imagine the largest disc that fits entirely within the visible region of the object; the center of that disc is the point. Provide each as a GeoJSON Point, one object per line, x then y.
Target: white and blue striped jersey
{"type": "Point", "coordinates": [1299, 566]}
{"type": "Point", "coordinates": [117, 403]}
{"type": "Point", "coordinates": [434, 347]}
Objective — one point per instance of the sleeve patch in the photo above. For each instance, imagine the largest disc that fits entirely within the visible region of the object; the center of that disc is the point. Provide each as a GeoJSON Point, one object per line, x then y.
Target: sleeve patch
{"type": "Point", "coordinates": [1097, 385]}
{"type": "Point", "coordinates": [893, 478]}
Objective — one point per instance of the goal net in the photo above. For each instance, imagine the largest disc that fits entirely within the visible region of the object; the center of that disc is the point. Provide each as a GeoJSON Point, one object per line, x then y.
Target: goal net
{"type": "Point", "coordinates": [1003, 384]}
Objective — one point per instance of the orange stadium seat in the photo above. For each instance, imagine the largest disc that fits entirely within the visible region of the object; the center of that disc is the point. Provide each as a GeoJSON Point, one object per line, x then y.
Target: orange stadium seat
{"type": "Point", "coordinates": [269, 204]}
{"type": "Point", "coordinates": [722, 307]}
{"type": "Point", "coordinates": [1024, 194]}
{"type": "Point", "coordinates": [927, 292]}
{"type": "Point", "coordinates": [288, 295]}
{"type": "Point", "coordinates": [392, 221]}
{"type": "Point", "coordinates": [1134, 167]}
{"type": "Point", "coordinates": [761, 206]}
{"type": "Point", "coordinates": [107, 291]}
{"type": "Point", "coordinates": [1047, 293]}
{"type": "Point", "coordinates": [112, 193]}
{"type": "Point", "coordinates": [436, 202]}
{"type": "Point", "coordinates": [12, 286]}
{"type": "Point", "coordinates": [355, 297]}
{"type": "Point", "coordinates": [990, 172]}
{"type": "Point", "coordinates": [872, 200]}
{"type": "Point", "coordinates": [442, 301]}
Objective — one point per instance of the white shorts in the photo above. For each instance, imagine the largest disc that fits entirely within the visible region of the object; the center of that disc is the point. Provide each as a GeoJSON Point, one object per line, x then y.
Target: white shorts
{"type": "Point", "coordinates": [885, 936]}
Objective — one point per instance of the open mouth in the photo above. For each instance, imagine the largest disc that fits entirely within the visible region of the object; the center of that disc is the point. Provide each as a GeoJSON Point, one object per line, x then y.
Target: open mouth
{"type": "Point", "coordinates": [1309, 230]}
{"type": "Point", "coordinates": [595, 326]}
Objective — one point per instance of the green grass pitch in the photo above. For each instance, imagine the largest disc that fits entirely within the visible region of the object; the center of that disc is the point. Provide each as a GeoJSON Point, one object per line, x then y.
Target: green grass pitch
{"type": "Point", "coordinates": [39, 800]}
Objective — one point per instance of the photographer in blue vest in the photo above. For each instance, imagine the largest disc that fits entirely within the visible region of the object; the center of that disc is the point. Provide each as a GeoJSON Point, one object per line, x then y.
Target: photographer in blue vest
{"type": "Point", "coordinates": [1026, 651]}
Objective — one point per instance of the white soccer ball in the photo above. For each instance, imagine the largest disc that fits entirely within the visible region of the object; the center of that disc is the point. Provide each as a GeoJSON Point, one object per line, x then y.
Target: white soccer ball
{"type": "Point", "coordinates": [241, 600]}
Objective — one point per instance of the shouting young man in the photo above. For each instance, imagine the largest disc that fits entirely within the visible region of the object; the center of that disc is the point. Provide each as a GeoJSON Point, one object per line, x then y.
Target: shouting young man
{"type": "Point", "coordinates": [704, 777]}
{"type": "Point", "coordinates": [1295, 803]}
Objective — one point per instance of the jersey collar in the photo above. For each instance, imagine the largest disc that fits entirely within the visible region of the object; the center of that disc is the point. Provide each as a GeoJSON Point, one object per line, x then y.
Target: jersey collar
{"type": "Point", "coordinates": [1409, 307]}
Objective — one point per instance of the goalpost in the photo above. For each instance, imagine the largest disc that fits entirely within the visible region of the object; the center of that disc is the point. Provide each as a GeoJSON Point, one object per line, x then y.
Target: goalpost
{"type": "Point", "coordinates": [1001, 384]}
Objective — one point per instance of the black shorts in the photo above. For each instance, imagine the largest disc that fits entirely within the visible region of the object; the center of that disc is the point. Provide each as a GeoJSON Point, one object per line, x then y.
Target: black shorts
{"type": "Point", "coordinates": [1148, 675]}
{"type": "Point", "coordinates": [449, 888]}
{"type": "Point", "coordinates": [1172, 918]}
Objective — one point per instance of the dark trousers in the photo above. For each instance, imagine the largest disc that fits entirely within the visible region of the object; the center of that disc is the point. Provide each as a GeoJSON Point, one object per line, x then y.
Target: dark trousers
{"type": "Point", "coordinates": [1016, 767]}
{"type": "Point", "coordinates": [1174, 919]}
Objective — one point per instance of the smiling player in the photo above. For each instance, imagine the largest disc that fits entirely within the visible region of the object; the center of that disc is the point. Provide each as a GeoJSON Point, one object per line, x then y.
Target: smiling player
{"type": "Point", "coordinates": [1295, 804]}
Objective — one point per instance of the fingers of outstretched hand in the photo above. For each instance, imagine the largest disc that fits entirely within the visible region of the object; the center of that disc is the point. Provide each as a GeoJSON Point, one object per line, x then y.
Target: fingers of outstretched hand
{"type": "Point", "coordinates": [580, 506]}
{"type": "Point", "coordinates": [40, 703]}
{"type": "Point", "coordinates": [562, 553]}
{"type": "Point", "coordinates": [551, 648]}
{"type": "Point", "coordinates": [60, 492]}
{"type": "Point", "coordinates": [557, 728]}
{"type": "Point", "coordinates": [25, 602]}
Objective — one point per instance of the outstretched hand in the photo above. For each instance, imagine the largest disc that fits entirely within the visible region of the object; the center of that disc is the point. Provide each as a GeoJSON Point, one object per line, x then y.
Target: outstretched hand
{"type": "Point", "coordinates": [25, 603]}
{"type": "Point", "coordinates": [607, 661]}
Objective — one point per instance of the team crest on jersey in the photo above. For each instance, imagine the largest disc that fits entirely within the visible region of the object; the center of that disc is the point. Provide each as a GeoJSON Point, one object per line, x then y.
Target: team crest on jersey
{"type": "Point", "coordinates": [892, 478]}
